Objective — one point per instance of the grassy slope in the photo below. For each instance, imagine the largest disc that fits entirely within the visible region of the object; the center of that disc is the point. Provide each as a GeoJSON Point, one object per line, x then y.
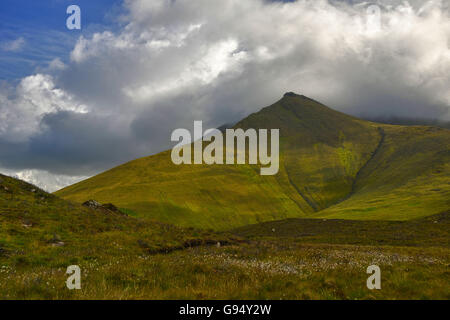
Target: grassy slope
{"type": "Point", "coordinates": [127, 258]}
{"type": "Point", "coordinates": [39, 229]}
{"type": "Point", "coordinates": [332, 165]}
{"type": "Point", "coordinates": [408, 177]}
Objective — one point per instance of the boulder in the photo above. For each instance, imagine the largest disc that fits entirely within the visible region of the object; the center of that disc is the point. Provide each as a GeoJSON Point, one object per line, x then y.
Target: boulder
{"type": "Point", "coordinates": [92, 204]}
{"type": "Point", "coordinates": [107, 208]}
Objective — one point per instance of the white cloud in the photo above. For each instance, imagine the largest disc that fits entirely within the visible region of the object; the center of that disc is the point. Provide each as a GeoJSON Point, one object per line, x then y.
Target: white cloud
{"type": "Point", "coordinates": [14, 45]}
{"type": "Point", "coordinates": [23, 107]}
{"type": "Point", "coordinates": [56, 65]}
{"type": "Point", "coordinates": [43, 179]}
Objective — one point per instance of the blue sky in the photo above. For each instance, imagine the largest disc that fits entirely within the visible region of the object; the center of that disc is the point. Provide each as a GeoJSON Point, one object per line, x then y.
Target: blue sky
{"type": "Point", "coordinates": [38, 28]}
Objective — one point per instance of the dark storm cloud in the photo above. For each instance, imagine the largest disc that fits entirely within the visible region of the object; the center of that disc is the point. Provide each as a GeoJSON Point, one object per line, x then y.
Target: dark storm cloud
{"type": "Point", "coordinates": [69, 140]}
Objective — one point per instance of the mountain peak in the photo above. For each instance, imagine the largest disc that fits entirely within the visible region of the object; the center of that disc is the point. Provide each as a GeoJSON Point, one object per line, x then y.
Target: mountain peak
{"type": "Point", "coordinates": [301, 96]}
{"type": "Point", "coordinates": [291, 94]}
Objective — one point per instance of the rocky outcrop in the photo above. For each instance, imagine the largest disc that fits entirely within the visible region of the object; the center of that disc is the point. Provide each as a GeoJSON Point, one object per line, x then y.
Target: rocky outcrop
{"type": "Point", "coordinates": [106, 208]}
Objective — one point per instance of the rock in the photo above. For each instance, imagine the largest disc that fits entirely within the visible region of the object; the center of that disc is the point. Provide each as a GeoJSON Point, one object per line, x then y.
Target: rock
{"type": "Point", "coordinates": [106, 208]}
{"type": "Point", "coordinates": [58, 244]}
{"type": "Point", "coordinates": [27, 225]}
{"type": "Point", "coordinates": [56, 241]}
{"type": "Point", "coordinates": [92, 204]}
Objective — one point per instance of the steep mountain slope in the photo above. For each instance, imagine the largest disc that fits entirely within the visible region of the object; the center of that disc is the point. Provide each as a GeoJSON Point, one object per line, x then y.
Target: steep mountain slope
{"type": "Point", "coordinates": [322, 149]}
{"type": "Point", "coordinates": [408, 177]}
{"type": "Point", "coordinates": [331, 164]}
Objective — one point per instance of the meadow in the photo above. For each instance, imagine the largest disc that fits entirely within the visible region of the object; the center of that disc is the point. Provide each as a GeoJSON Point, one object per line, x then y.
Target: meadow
{"type": "Point", "coordinates": [258, 270]}
{"type": "Point", "coordinates": [123, 257]}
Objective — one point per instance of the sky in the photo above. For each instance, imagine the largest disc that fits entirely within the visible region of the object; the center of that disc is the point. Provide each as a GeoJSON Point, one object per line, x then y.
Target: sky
{"type": "Point", "coordinates": [74, 103]}
{"type": "Point", "coordinates": [33, 33]}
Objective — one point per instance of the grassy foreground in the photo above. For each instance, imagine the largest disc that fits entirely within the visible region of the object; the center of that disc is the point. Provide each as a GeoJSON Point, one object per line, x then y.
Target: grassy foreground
{"type": "Point", "coordinates": [259, 270]}
{"type": "Point", "coordinates": [123, 257]}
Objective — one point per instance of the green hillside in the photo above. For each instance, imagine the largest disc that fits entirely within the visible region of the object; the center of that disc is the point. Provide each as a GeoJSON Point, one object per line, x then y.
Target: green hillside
{"type": "Point", "coordinates": [122, 257]}
{"type": "Point", "coordinates": [331, 165]}
{"type": "Point", "coordinates": [408, 177]}
{"type": "Point", "coordinates": [40, 229]}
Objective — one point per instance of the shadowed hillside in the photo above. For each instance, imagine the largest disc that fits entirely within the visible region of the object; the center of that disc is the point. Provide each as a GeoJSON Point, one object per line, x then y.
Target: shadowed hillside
{"type": "Point", "coordinates": [331, 165]}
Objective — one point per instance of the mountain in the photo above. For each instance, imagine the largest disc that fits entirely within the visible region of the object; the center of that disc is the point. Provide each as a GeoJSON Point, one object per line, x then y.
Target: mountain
{"type": "Point", "coordinates": [331, 166]}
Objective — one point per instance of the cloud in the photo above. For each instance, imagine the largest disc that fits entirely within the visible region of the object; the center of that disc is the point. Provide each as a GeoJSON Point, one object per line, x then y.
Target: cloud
{"type": "Point", "coordinates": [56, 65]}
{"type": "Point", "coordinates": [324, 50]}
{"type": "Point", "coordinates": [22, 108]}
{"type": "Point", "coordinates": [43, 179]}
{"type": "Point", "coordinates": [14, 45]}
{"type": "Point", "coordinates": [173, 62]}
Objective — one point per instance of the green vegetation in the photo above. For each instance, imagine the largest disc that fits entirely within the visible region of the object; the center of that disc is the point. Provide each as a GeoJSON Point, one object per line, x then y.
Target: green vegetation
{"type": "Point", "coordinates": [332, 165]}
{"type": "Point", "coordinates": [349, 194]}
{"type": "Point", "coordinates": [36, 224]}
{"type": "Point", "coordinates": [248, 271]}
{"type": "Point", "coordinates": [39, 231]}
{"type": "Point", "coordinates": [123, 257]}
{"type": "Point", "coordinates": [408, 177]}
{"type": "Point", "coordinates": [432, 231]}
